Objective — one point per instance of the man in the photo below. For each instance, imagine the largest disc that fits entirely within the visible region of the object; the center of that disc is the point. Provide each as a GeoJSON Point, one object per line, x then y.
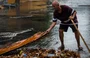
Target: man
{"type": "Point", "coordinates": [64, 14]}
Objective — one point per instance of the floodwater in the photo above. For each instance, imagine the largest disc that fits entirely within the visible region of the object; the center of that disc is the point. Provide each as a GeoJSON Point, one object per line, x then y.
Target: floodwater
{"type": "Point", "coordinates": [14, 28]}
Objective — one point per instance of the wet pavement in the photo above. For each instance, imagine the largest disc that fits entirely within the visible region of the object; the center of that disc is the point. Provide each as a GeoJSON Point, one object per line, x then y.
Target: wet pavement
{"type": "Point", "coordinates": [13, 29]}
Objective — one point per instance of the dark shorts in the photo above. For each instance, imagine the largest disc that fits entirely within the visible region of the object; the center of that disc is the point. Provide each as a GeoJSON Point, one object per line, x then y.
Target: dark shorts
{"type": "Point", "coordinates": [65, 27]}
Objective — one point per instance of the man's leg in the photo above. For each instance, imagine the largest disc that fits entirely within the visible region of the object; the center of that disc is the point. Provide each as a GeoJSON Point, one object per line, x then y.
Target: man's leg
{"type": "Point", "coordinates": [78, 40]}
{"type": "Point", "coordinates": [77, 36]}
{"type": "Point", "coordinates": [61, 36]}
{"type": "Point", "coordinates": [62, 29]}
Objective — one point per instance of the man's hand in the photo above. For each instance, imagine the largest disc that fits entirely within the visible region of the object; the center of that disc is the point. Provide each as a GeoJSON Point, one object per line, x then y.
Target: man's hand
{"type": "Point", "coordinates": [50, 28]}
{"type": "Point", "coordinates": [47, 31]}
{"type": "Point", "coordinates": [71, 17]}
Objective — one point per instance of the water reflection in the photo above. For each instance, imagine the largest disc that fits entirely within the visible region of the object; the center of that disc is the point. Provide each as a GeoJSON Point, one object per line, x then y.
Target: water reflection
{"type": "Point", "coordinates": [26, 7]}
{"type": "Point", "coordinates": [16, 23]}
{"type": "Point", "coordinates": [26, 23]}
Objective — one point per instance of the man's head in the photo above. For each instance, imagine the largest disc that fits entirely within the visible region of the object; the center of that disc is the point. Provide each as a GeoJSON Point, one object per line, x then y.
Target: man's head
{"type": "Point", "coordinates": [56, 5]}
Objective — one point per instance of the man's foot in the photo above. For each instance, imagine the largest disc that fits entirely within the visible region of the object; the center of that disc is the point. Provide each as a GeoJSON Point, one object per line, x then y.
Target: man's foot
{"type": "Point", "coordinates": [80, 48]}
{"type": "Point", "coordinates": [61, 47]}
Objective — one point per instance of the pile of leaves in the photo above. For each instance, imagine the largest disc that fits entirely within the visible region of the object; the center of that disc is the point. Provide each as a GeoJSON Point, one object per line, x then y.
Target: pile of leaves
{"type": "Point", "coordinates": [44, 53]}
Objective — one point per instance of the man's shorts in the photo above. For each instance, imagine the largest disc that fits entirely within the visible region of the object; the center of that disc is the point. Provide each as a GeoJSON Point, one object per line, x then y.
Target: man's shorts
{"type": "Point", "coordinates": [65, 27]}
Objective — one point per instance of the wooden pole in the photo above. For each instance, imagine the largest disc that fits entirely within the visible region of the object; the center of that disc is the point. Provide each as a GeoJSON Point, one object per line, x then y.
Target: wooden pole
{"type": "Point", "coordinates": [80, 35]}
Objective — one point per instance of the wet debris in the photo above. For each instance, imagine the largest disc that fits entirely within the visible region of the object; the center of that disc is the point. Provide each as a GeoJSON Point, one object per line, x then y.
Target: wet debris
{"type": "Point", "coordinates": [43, 53]}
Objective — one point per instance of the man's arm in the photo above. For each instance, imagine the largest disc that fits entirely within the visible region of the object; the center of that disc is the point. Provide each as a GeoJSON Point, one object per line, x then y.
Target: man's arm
{"type": "Point", "coordinates": [73, 15]}
{"type": "Point", "coordinates": [51, 27]}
